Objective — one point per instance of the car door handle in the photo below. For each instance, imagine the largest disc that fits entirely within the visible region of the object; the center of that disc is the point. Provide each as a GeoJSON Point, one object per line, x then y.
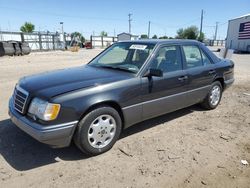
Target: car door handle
{"type": "Point", "coordinates": [211, 72]}
{"type": "Point", "coordinates": [182, 78]}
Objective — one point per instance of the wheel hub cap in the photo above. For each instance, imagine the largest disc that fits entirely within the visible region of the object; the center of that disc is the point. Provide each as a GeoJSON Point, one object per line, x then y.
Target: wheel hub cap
{"type": "Point", "coordinates": [101, 131]}
{"type": "Point", "coordinates": [215, 95]}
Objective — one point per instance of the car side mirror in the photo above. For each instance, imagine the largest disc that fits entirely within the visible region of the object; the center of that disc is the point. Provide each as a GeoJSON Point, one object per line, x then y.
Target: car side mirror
{"type": "Point", "coordinates": [153, 72]}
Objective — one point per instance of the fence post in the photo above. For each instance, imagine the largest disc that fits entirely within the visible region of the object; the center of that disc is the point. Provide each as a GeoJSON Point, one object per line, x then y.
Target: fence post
{"type": "Point", "coordinates": [91, 41]}
{"type": "Point", "coordinates": [40, 41]}
{"type": "Point", "coordinates": [53, 42]}
{"type": "Point", "coordinates": [102, 41]}
{"type": "Point", "coordinates": [22, 37]}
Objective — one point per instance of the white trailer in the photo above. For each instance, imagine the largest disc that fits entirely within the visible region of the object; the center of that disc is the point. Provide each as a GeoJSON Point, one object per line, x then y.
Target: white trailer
{"type": "Point", "coordinates": [238, 34]}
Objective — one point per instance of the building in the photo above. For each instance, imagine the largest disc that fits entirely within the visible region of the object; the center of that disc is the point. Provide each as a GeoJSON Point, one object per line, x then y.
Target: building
{"type": "Point", "coordinates": [238, 34]}
{"type": "Point", "coordinates": [126, 36]}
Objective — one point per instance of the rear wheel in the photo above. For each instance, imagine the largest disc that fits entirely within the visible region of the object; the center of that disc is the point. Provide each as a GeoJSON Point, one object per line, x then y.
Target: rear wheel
{"type": "Point", "coordinates": [98, 131]}
{"type": "Point", "coordinates": [214, 96]}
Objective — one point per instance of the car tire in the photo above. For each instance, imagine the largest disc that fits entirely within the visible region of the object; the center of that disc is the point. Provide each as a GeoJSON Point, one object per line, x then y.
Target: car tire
{"type": "Point", "coordinates": [98, 131]}
{"type": "Point", "coordinates": [213, 97]}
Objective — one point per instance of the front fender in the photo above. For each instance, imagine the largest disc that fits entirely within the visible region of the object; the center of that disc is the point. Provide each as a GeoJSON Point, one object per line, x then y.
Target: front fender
{"type": "Point", "coordinates": [75, 104]}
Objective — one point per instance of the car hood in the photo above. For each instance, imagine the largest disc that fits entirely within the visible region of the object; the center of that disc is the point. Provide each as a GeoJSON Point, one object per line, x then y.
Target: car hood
{"type": "Point", "coordinates": [53, 83]}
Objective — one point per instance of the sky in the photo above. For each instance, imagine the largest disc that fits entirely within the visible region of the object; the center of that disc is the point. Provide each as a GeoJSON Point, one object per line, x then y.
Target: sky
{"type": "Point", "coordinates": [92, 17]}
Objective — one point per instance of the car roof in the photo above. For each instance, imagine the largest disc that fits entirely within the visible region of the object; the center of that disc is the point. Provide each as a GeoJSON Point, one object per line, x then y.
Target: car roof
{"type": "Point", "coordinates": [163, 41]}
{"type": "Point", "coordinates": [175, 42]}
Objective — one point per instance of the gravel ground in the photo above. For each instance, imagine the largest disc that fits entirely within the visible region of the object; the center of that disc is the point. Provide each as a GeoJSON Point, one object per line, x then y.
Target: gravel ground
{"type": "Point", "coordinates": [187, 148]}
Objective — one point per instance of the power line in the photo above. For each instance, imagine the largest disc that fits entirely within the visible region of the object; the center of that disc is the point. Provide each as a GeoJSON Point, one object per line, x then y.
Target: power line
{"type": "Point", "coordinates": [61, 15]}
{"type": "Point", "coordinates": [175, 26]}
{"type": "Point", "coordinates": [223, 23]}
{"type": "Point", "coordinates": [208, 26]}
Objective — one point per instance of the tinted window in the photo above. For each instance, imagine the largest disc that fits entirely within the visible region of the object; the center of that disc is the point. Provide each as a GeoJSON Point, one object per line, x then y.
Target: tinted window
{"type": "Point", "coordinates": [125, 55]}
{"type": "Point", "coordinates": [168, 59]}
{"type": "Point", "coordinates": [193, 56]}
{"type": "Point", "coordinates": [206, 60]}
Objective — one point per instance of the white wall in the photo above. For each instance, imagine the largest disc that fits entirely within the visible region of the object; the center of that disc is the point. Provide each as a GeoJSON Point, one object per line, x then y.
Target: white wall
{"type": "Point", "coordinates": [107, 41]}
{"type": "Point", "coordinates": [6, 37]}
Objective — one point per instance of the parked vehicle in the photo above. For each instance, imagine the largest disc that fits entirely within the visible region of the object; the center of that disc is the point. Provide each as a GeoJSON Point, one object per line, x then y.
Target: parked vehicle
{"type": "Point", "coordinates": [88, 45]}
{"type": "Point", "coordinates": [127, 83]}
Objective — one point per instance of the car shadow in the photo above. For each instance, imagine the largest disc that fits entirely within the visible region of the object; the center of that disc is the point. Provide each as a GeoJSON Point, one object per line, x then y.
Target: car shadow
{"type": "Point", "coordinates": [22, 152]}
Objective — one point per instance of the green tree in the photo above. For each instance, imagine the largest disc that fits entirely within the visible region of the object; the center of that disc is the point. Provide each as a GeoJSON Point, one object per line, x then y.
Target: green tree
{"type": "Point", "coordinates": [180, 34]}
{"type": "Point", "coordinates": [191, 32]}
{"type": "Point", "coordinates": [163, 37]}
{"type": "Point", "coordinates": [104, 33]}
{"type": "Point", "coordinates": [144, 36]}
{"type": "Point", "coordinates": [154, 37]}
{"type": "Point", "coordinates": [79, 35]}
{"type": "Point", "coordinates": [27, 27]}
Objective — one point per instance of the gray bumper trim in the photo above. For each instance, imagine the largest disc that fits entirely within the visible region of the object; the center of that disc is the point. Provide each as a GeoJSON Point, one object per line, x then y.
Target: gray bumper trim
{"type": "Point", "coordinates": [59, 135]}
{"type": "Point", "coordinates": [228, 83]}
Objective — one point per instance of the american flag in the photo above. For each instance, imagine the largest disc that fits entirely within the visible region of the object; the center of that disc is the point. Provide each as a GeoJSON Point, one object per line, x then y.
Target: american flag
{"type": "Point", "coordinates": [244, 31]}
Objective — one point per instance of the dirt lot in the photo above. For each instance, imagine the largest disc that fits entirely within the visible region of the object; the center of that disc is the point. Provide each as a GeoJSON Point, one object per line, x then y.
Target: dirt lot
{"type": "Point", "coordinates": [187, 148]}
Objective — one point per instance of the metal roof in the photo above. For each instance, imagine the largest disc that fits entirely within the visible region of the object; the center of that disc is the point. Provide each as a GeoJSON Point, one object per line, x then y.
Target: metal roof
{"type": "Point", "coordinates": [243, 16]}
{"type": "Point", "coordinates": [127, 34]}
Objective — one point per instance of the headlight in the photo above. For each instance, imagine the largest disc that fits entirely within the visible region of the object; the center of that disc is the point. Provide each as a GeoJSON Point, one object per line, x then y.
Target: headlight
{"type": "Point", "coordinates": [44, 110]}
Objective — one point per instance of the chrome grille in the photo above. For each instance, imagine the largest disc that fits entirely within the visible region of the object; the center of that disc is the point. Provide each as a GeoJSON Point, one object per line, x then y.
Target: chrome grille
{"type": "Point", "coordinates": [20, 98]}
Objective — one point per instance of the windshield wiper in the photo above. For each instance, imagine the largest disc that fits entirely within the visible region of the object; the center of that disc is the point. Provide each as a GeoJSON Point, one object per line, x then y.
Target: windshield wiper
{"type": "Point", "coordinates": [118, 68]}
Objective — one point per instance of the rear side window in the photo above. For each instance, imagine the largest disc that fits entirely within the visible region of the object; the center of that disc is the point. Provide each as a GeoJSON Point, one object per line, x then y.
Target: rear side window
{"type": "Point", "coordinates": [193, 56]}
{"type": "Point", "coordinates": [206, 60]}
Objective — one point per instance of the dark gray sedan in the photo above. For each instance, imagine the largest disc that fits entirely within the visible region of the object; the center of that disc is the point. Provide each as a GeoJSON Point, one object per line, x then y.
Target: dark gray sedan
{"type": "Point", "coordinates": [125, 84]}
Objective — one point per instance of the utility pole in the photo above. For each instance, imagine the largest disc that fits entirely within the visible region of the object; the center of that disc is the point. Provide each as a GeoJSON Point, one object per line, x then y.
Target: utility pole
{"type": "Point", "coordinates": [201, 22]}
{"type": "Point", "coordinates": [149, 29]}
{"type": "Point", "coordinates": [129, 22]}
{"type": "Point", "coordinates": [64, 44]}
{"type": "Point", "coordinates": [216, 30]}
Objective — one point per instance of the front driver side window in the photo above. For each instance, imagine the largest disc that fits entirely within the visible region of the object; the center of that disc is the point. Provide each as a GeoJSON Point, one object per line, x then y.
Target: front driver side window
{"type": "Point", "coordinates": [168, 59]}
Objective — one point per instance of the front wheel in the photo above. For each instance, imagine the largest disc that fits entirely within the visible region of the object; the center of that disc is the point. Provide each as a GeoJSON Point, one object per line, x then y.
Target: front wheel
{"type": "Point", "coordinates": [98, 130]}
{"type": "Point", "coordinates": [214, 96]}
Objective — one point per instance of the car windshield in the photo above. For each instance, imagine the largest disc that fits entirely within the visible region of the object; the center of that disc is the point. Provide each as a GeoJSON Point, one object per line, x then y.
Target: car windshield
{"type": "Point", "coordinates": [124, 56]}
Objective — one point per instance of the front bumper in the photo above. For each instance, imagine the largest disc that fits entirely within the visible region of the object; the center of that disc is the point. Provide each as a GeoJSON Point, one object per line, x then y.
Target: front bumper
{"type": "Point", "coordinates": [228, 83]}
{"type": "Point", "coordinates": [57, 136]}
